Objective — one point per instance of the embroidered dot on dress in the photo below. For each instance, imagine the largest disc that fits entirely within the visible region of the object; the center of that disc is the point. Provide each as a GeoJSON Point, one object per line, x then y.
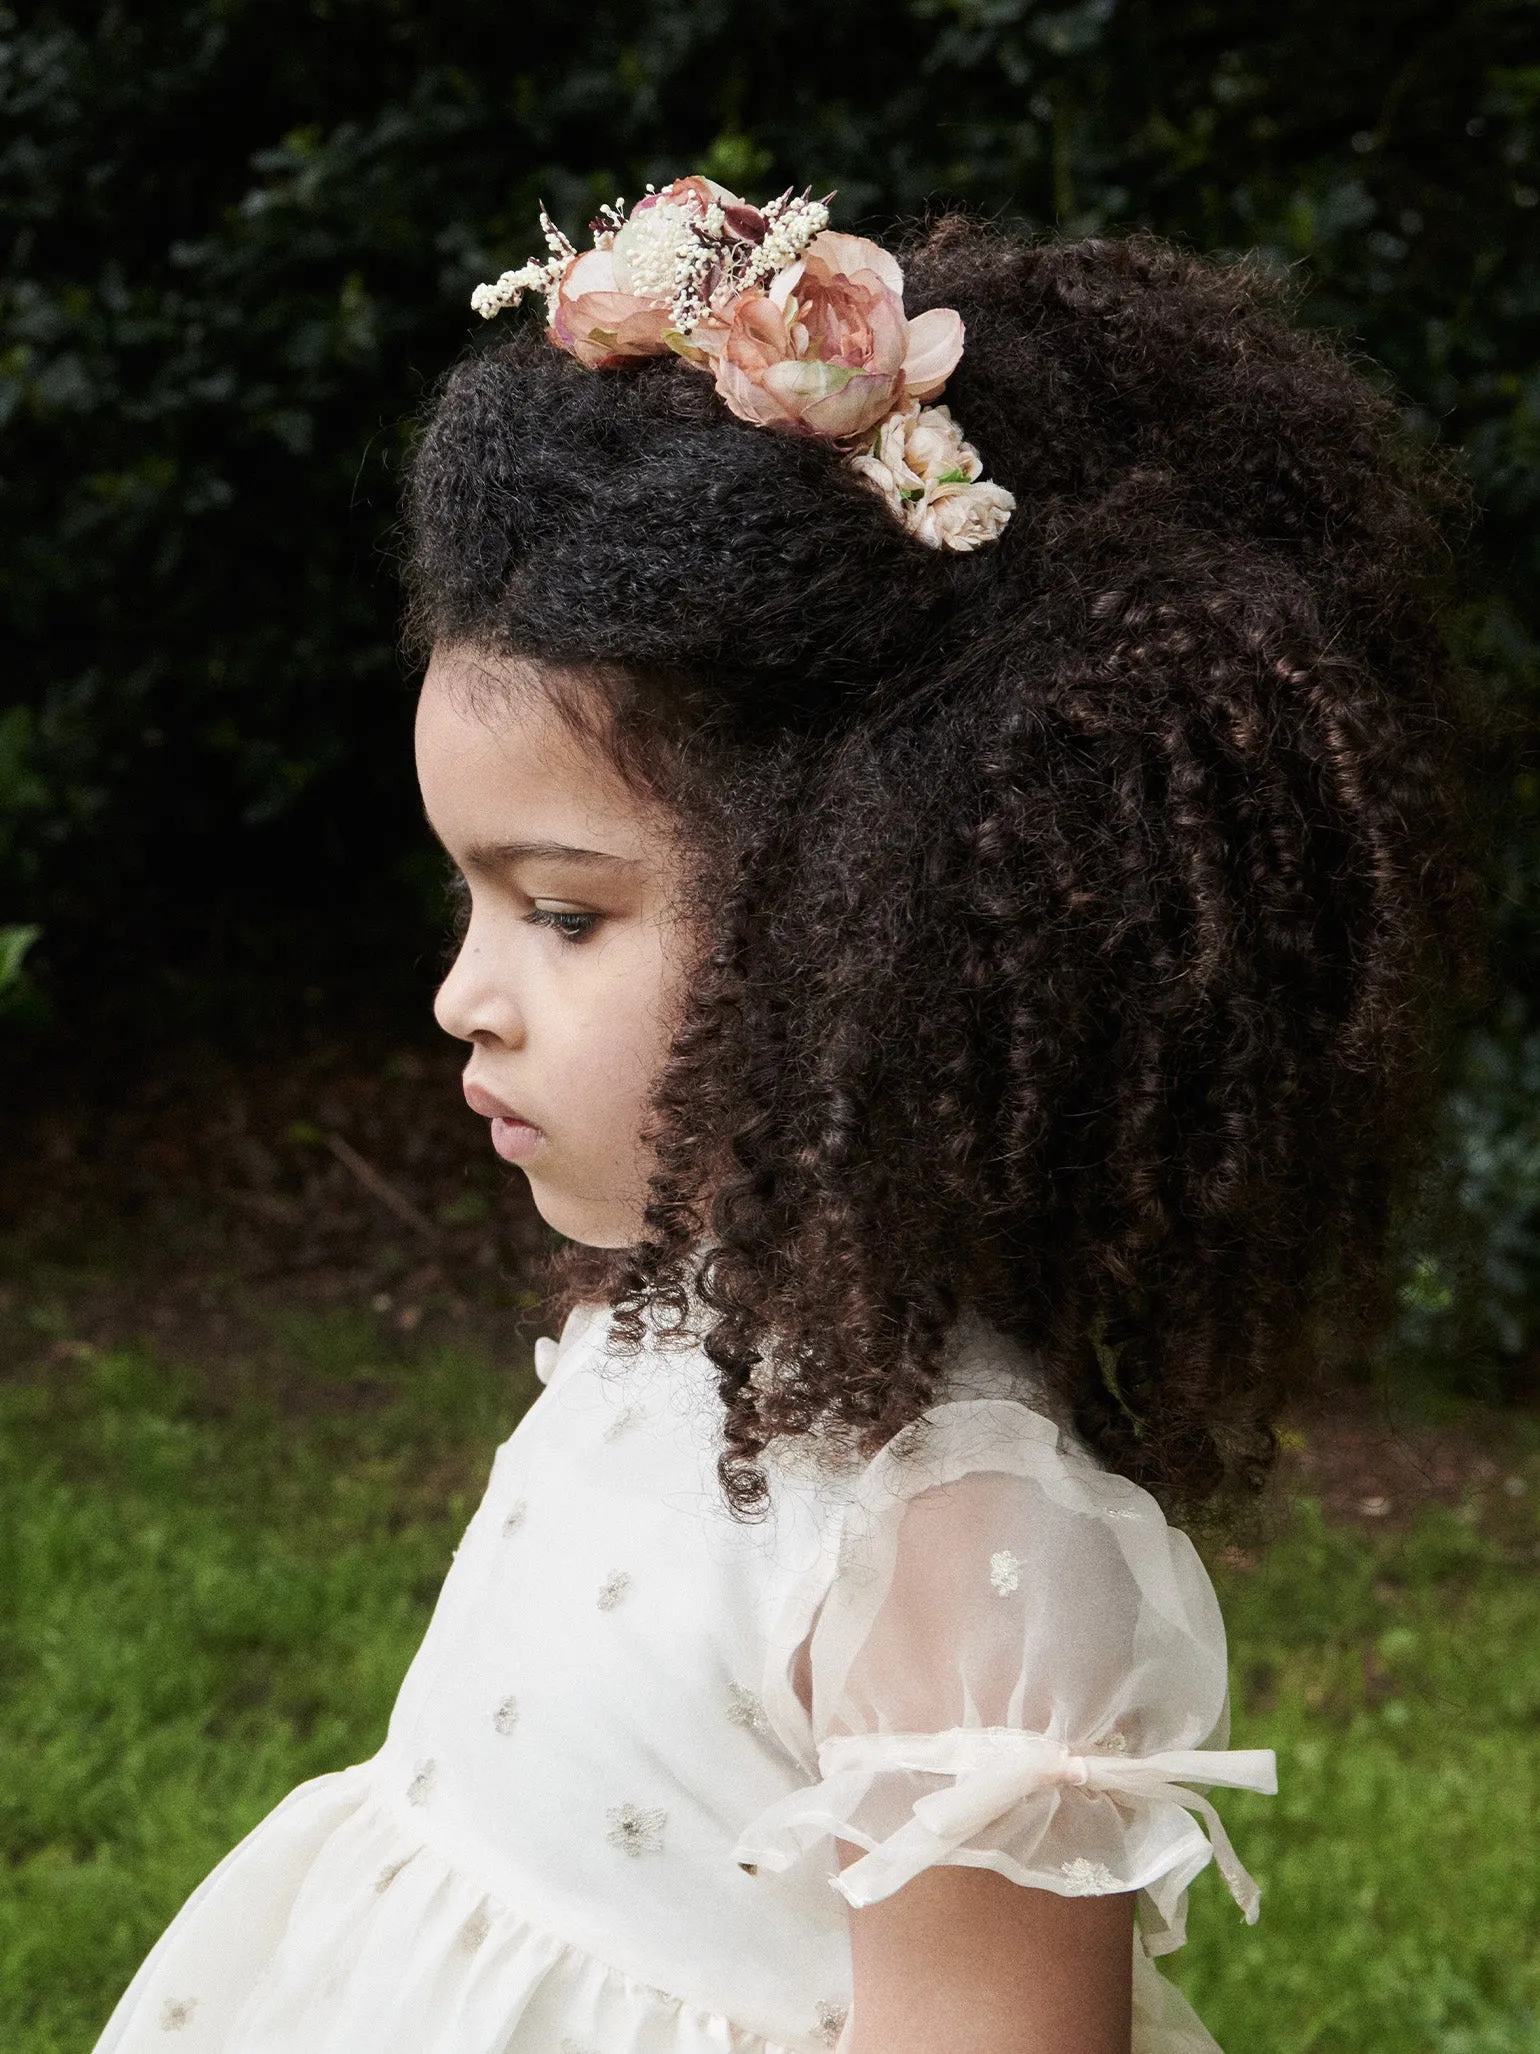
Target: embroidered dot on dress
{"type": "Point", "coordinates": [1084, 1878]}
{"type": "Point", "coordinates": [506, 1717]}
{"type": "Point", "coordinates": [515, 1518]}
{"type": "Point", "coordinates": [830, 2023]}
{"type": "Point", "coordinates": [1005, 1572]}
{"type": "Point", "coordinates": [176, 2013]}
{"type": "Point", "coordinates": [626, 1416]}
{"type": "Point", "coordinates": [612, 1590]}
{"type": "Point", "coordinates": [389, 1873]}
{"type": "Point", "coordinates": [422, 1783]}
{"type": "Point", "coordinates": [744, 1709]}
{"type": "Point", "coordinates": [636, 1829]}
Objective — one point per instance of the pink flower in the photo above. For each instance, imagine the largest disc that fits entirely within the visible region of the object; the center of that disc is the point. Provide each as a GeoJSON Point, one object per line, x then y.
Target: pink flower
{"type": "Point", "coordinates": [744, 223]}
{"type": "Point", "coordinates": [604, 325]}
{"type": "Point", "coordinates": [827, 350]}
{"type": "Point", "coordinates": [612, 306]}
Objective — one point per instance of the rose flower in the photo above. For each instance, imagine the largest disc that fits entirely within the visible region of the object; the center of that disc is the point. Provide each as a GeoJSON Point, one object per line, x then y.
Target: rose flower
{"type": "Point", "coordinates": [611, 305]}
{"type": "Point", "coordinates": [931, 478]}
{"type": "Point", "coordinates": [827, 350]}
{"type": "Point", "coordinates": [603, 325]}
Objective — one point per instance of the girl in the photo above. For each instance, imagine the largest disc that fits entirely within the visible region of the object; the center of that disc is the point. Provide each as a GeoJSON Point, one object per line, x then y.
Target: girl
{"type": "Point", "coordinates": [956, 954]}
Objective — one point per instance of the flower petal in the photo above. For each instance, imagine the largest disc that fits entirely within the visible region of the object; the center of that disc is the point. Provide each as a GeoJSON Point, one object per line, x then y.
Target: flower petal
{"type": "Point", "coordinates": [853, 253]}
{"type": "Point", "coordinates": [606, 329]}
{"type": "Point", "coordinates": [748, 398]}
{"type": "Point", "coordinates": [963, 517]}
{"type": "Point", "coordinates": [934, 345]}
{"type": "Point", "coordinates": [594, 271]}
{"type": "Point", "coordinates": [744, 223]}
{"type": "Point", "coordinates": [700, 191]}
{"type": "Point", "coordinates": [859, 405]}
{"type": "Point", "coordinates": [881, 479]}
{"type": "Point", "coordinates": [890, 334]}
{"type": "Point", "coordinates": [756, 334]}
{"type": "Point", "coordinates": [645, 332]}
{"type": "Point", "coordinates": [799, 381]}
{"type": "Point", "coordinates": [785, 283]}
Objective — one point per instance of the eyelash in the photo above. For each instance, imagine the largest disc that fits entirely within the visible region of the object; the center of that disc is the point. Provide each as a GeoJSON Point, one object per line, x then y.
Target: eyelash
{"type": "Point", "coordinates": [458, 893]}
{"type": "Point", "coordinates": [572, 927]}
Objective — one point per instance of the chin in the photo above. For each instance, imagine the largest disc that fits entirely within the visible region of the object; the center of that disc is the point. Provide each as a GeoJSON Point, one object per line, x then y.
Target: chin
{"type": "Point", "coordinates": [580, 1220]}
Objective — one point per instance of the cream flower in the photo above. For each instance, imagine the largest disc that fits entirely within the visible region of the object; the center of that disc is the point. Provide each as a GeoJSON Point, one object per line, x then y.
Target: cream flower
{"type": "Point", "coordinates": [930, 477]}
{"type": "Point", "coordinates": [665, 231]}
{"type": "Point", "coordinates": [915, 448]}
{"type": "Point", "coordinates": [962, 516]}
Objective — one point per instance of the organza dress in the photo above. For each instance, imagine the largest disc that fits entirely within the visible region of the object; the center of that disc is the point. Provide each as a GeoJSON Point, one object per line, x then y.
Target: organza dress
{"type": "Point", "coordinates": [604, 1818]}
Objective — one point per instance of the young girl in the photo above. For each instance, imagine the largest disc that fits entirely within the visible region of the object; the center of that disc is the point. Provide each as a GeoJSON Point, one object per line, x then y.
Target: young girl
{"type": "Point", "coordinates": [954, 928]}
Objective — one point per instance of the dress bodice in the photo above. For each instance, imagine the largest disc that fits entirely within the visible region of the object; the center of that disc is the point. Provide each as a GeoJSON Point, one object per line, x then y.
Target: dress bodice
{"type": "Point", "coordinates": [600, 1671]}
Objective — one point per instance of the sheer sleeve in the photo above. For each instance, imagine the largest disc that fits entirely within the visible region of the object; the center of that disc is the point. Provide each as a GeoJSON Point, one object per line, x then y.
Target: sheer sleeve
{"type": "Point", "coordinates": [1018, 1665]}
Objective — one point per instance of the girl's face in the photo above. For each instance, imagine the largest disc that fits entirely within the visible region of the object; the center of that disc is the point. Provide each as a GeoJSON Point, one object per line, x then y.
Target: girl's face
{"type": "Point", "coordinates": [568, 981]}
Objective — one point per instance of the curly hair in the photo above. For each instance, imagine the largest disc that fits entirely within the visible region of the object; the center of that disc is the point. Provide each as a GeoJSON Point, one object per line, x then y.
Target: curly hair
{"type": "Point", "coordinates": [1078, 915]}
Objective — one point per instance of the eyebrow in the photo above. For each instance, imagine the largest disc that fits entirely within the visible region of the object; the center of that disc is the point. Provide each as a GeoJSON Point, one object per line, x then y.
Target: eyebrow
{"type": "Point", "coordinates": [488, 855]}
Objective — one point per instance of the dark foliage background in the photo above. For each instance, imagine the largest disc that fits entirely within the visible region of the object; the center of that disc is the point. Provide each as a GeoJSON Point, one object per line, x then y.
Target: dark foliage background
{"type": "Point", "coordinates": [239, 239]}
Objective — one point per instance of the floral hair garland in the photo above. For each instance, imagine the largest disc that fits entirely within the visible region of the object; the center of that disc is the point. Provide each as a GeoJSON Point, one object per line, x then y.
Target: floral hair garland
{"type": "Point", "coordinates": [803, 329]}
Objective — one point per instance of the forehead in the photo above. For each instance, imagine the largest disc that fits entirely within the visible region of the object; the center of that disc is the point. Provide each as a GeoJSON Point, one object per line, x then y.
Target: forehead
{"type": "Point", "coordinates": [499, 763]}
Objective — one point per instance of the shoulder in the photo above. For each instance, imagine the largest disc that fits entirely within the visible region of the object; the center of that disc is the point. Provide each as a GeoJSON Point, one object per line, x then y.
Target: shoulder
{"type": "Point", "coordinates": [993, 1419]}
{"type": "Point", "coordinates": [994, 1413]}
{"type": "Point", "coordinates": [989, 1512]}
{"type": "Point", "coordinates": [1010, 1656]}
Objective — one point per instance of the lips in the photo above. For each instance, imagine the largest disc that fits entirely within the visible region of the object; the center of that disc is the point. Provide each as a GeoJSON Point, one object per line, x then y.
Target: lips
{"type": "Point", "coordinates": [489, 1105]}
{"type": "Point", "coordinates": [514, 1137]}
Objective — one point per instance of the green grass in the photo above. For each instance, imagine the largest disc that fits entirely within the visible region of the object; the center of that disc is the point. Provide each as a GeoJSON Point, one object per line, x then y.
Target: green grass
{"type": "Point", "coordinates": [206, 1597]}
{"type": "Point", "coordinates": [201, 1604]}
{"type": "Point", "coordinates": [1398, 1677]}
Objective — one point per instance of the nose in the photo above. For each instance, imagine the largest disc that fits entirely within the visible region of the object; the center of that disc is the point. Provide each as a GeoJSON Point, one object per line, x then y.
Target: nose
{"type": "Point", "coordinates": [476, 1002]}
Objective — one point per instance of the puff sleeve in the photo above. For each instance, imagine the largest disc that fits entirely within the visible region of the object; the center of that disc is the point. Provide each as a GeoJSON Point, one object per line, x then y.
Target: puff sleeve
{"type": "Point", "coordinates": [1017, 1665]}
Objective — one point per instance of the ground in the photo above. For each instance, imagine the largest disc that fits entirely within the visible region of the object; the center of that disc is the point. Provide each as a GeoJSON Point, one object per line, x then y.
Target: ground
{"type": "Point", "coordinates": [261, 1325]}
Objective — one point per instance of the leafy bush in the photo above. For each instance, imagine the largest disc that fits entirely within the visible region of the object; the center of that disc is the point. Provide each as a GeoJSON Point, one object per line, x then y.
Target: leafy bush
{"type": "Point", "coordinates": [1472, 1304]}
{"type": "Point", "coordinates": [240, 239]}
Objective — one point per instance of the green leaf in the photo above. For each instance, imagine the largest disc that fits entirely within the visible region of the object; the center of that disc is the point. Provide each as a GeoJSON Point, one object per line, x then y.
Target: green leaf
{"type": "Point", "coordinates": [14, 944]}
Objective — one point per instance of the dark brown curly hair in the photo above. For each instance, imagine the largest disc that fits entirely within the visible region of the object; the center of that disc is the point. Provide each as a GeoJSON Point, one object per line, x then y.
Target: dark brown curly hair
{"type": "Point", "coordinates": [1077, 914]}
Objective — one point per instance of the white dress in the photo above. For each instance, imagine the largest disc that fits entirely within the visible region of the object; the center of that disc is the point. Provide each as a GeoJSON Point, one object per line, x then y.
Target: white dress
{"type": "Point", "coordinates": [603, 1819]}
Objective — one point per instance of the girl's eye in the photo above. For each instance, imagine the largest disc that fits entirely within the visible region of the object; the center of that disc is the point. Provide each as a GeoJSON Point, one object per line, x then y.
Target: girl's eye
{"type": "Point", "coordinates": [570, 925]}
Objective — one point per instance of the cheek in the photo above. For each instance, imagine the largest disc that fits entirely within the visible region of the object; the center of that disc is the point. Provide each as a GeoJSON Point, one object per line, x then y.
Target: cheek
{"type": "Point", "coordinates": [610, 1044]}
